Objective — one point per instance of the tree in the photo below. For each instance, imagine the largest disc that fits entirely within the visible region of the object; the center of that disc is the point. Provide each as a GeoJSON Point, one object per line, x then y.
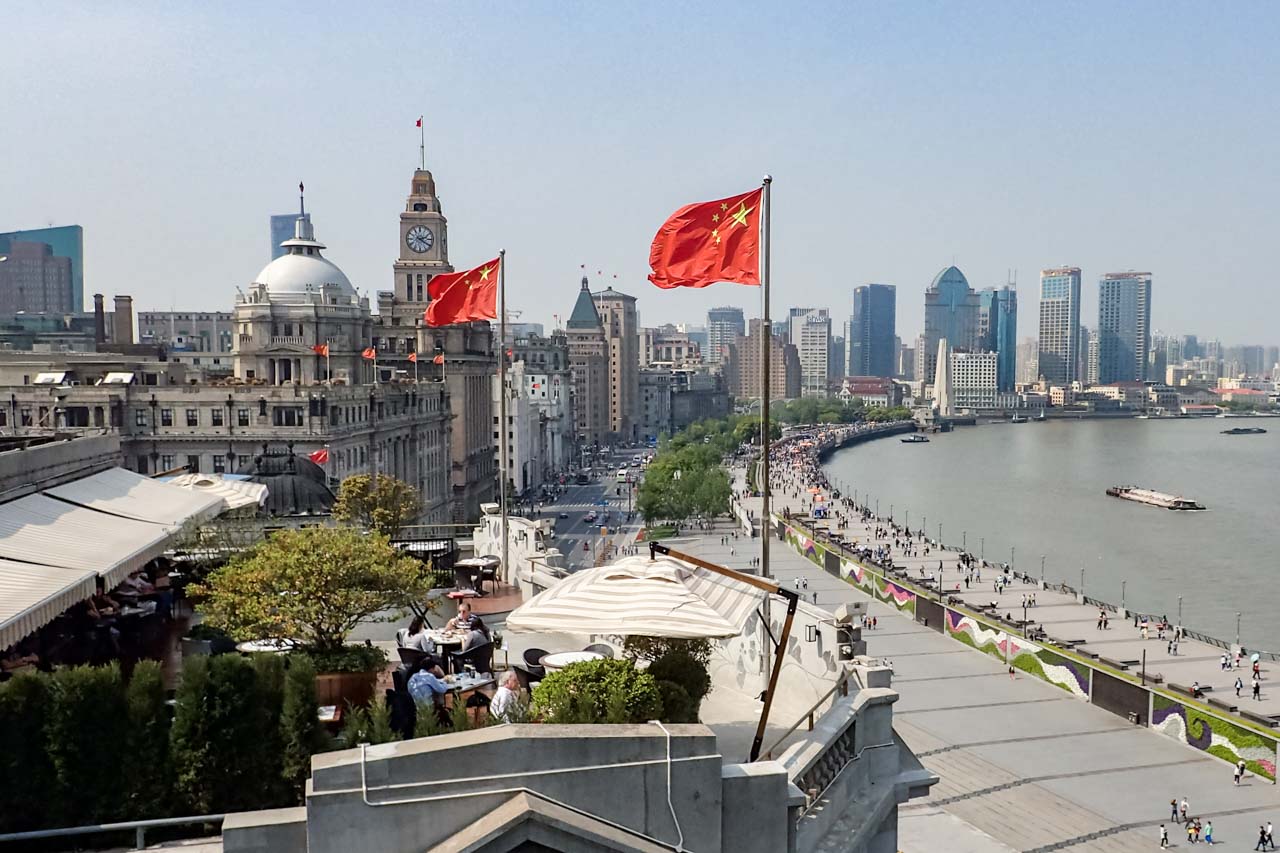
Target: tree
{"type": "Point", "coordinates": [87, 731]}
{"type": "Point", "coordinates": [147, 769]}
{"type": "Point", "coordinates": [377, 502]}
{"type": "Point", "coordinates": [314, 585]}
{"type": "Point", "coordinates": [26, 767]}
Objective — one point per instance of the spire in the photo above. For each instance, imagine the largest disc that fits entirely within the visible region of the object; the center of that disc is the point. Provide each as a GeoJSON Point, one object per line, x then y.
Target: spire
{"type": "Point", "coordinates": [585, 315]}
{"type": "Point", "coordinates": [302, 201]}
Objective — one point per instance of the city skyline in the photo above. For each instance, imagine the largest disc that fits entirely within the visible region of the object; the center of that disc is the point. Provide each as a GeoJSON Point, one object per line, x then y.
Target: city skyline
{"type": "Point", "coordinates": [514, 147]}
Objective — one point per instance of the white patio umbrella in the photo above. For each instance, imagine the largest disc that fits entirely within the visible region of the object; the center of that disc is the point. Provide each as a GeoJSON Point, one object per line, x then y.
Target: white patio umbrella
{"type": "Point", "coordinates": [639, 596]}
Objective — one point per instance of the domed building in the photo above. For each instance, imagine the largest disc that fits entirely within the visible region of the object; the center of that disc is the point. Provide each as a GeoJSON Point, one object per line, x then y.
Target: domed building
{"type": "Point", "coordinates": [302, 301]}
{"type": "Point", "coordinates": [951, 312]}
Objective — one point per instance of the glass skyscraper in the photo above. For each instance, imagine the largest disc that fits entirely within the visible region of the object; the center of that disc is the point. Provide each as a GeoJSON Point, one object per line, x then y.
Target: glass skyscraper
{"type": "Point", "coordinates": [871, 345]}
{"type": "Point", "coordinates": [1059, 325]}
{"type": "Point", "coordinates": [951, 312]}
{"type": "Point", "coordinates": [998, 331]}
{"type": "Point", "coordinates": [65, 241]}
{"type": "Point", "coordinates": [1124, 326]}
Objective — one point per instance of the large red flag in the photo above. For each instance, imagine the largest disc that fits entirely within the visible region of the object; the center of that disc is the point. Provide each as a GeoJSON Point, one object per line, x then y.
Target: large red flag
{"type": "Point", "coordinates": [457, 297]}
{"type": "Point", "coordinates": [707, 242]}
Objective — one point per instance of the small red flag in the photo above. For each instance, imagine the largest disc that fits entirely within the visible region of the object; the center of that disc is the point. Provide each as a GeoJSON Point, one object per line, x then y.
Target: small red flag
{"type": "Point", "coordinates": [320, 457]}
{"type": "Point", "coordinates": [321, 349]}
{"type": "Point", "coordinates": [369, 354]}
{"type": "Point", "coordinates": [413, 357]}
{"type": "Point", "coordinates": [457, 297]}
{"type": "Point", "coordinates": [710, 241]}
{"type": "Point", "coordinates": [419, 121]}
{"type": "Point", "coordinates": [438, 360]}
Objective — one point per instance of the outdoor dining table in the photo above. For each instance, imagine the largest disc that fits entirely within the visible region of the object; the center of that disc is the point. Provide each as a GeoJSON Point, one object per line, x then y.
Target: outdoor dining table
{"type": "Point", "coordinates": [271, 646]}
{"type": "Point", "coordinates": [445, 638]}
{"type": "Point", "coordinates": [559, 660]}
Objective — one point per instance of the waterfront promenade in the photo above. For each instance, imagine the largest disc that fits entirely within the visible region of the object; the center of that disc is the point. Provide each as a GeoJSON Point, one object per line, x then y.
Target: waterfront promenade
{"type": "Point", "coordinates": [1025, 765]}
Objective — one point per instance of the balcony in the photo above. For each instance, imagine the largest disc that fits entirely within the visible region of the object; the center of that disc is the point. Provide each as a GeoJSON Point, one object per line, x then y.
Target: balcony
{"type": "Point", "coordinates": [287, 340]}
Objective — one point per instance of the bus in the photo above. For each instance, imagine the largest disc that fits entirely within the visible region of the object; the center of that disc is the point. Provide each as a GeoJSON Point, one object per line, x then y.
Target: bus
{"type": "Point", "coordinates": [622, 475]}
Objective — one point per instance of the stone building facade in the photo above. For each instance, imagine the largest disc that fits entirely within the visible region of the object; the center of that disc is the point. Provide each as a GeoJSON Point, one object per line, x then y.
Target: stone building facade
{"type": "Point", "coordinates": [589, 364]}
{"type": "Point", "coordinates": [622, 333]}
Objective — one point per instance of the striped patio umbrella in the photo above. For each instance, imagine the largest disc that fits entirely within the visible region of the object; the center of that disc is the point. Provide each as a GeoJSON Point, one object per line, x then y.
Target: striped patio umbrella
{"type": "Point", "coordinates": [639, 596]}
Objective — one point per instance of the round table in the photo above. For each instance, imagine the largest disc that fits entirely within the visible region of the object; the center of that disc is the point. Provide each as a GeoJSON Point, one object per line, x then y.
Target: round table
{"type": "Point", "coordinates": [277, 647]}
{"type": "Point", "coordinates": [446, 639]}
{"type": "Point", "coordinates": [559, 660]}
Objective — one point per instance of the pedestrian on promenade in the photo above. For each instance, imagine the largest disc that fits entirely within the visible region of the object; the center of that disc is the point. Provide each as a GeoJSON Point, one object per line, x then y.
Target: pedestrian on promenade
{"type": "Point", "coordinates": [1164, 836]}
{"type": "Point", "coordinates": [1173, 810]}
{"type": "Point", "coordinates": [1225, 663]}
{"type": "Point", "coordinates": [1191, 832]}
{"type": "Point", "coordinates": [804, 583]}
{"type": "Point", "coordinates": [1208, 832]}
{"type": "Point", "coordinates": [1257, 670]}
{"type": "Point", "coordinates": [1240, 768]}
{"type": "Point", "coordinates": [1100, 617]}
{"type": "Point", "coordinates": [1239, 686]}
{"type": "Point", "coordinates": [1257, 689]}
{"type": "Point", "coordinates": [1262, 839]}
{"type": "Point", "coordinates": [1183, 808]}
{"type": "Point", "coordinates": [1271, 842]}
{"type": "Point", "coordinates": [1175, 647]}
{"type": "Point", "coordinates": [1170, 645]}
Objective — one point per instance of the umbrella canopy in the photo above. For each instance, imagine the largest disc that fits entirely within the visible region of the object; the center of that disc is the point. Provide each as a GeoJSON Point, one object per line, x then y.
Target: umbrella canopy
{"type": "Point", "coordinates": [637, 596]}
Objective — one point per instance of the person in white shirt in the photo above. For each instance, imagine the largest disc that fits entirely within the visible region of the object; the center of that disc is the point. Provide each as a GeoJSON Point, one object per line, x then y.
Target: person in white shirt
{"type": "Point", "coordinates": [506, 698]}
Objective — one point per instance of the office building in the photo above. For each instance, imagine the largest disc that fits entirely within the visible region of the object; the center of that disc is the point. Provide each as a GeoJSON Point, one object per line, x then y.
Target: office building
{"type": "Point", "coordinates": [187, 331]}
{"type": "Point", "coordinates": [44, 282]}
{"type": "Point", "coordinates": [1028, 361]}
{"type": "Point", "coordinates": [792, 314]}
{"type": "Point", "coordinates": [836, 359]}
{"type": "Point", "coordinates": [974, 378]}
{"type": "Point", "coordinates": [622, 335]}
{"type": "Point", "coordinates": [1059, 353]}
{"type": "Point", "coordinates": [906, 365]}
{"type": "Point", "coordinates": [1093, 357]}
{"type": "Point", "coordinates": [744, 369]}
{"type": "Point", "coordinates": [811, 336]}
{"type": "Point", "coordinates": [1124, 326]}
{"type": "Point", "coordinates": [548, 386]}
{"type": "Point", "coordinates": [998, 331]}
{"type": "Point", "coordinates": [724, 327]}
{"type": "Point", "coordinates": [281, 230]}
{"type": "Point", "coordinates": [589, 365]}
{"type": "Point", "coordinates": [951, 312]}
{"type": "Point", "coordinates": [870, 340]}
{"type": "Point", "coordinates": [668, 347]}
{"type": "Point", "coordinates": [656, 385]}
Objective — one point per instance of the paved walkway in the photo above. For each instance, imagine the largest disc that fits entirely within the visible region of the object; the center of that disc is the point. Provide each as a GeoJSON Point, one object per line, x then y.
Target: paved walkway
{"type": "Point", "coordinates": [1021, 762]}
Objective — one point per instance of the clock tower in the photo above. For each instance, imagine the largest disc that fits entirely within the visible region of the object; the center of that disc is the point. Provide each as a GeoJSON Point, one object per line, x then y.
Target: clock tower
{"type": "Point", "coordinates": [424, 242]}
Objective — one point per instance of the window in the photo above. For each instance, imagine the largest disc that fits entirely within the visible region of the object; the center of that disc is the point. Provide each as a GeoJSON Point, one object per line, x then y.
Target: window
{"type": "Point", "coordinates": [288, 415]}
{"type": "Point", "coordinates": [242, 417]}
{"type": "Point", "coordinates": [193, 464]}
{"type": "Point", "coordinates": [166, 462]}
{"type": "Point", "coordinates": [139, 417]}
{"type": "Point", "coordinates": [215, 416]}
{"type": "Point", "coordinates": [243, 461]}
{"type": "Point", "coordinates": [166, 417]}
{"type": "Point", "coordinates": [193, 418]}
{"type": "Point", "coordinates": [219, 464]}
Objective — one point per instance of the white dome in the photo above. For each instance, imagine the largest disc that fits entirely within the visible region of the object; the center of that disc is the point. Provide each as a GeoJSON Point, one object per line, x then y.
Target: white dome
{"type": "Point", "coordinates": [301, 274]}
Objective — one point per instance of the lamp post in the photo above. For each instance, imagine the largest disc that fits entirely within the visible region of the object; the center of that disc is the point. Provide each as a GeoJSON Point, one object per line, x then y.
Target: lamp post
{"type": "Point", "coordinates": [982, 548]}
{"type": "Point", "coordinates": [1042, 571]}
{"type": "Point", "coordinates": [1011, 553]}
{"type": "Point", "coordinates": [939, 534]}
{"type": "Point", "coordinates": [1082, 580]}
{"type": "Point", "coordinates": [1123, 585]}
{"type": "Point", "coordinates": [877, 508]}
{"type": "Point", "coordinates": [908, 523]}
{"type": "Point", "coordinates": [964, 540]}
{"type": "Point", "coordinates": [890, 513]}
{"type": "Point", "coordinates": [1179, 611]}
{"type": "Point", "coordinates": [924, 524]}
{"type": "Point", "coordinates": [1237, 629]}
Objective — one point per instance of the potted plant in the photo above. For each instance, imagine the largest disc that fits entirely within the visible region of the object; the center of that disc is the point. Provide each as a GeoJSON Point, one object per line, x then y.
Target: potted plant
{"type": "Point", "coordinates": [313, 586]}
{"type": "Point", "coordinates": [204, 639]}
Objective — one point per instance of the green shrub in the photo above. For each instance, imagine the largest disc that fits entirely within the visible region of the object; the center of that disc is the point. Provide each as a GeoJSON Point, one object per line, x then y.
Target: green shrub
{"type": "Point", "coordinates": [270, 670]}
{"type": "Point", "coordinates": [598, 691]}
{"type": "Point", "coordinates": [27, 791]}
{"type": "Point", "coordinates": [677, 705]}
{"type": "Point", "coordinates": [147, 769]}
{"type": "Point", "coordinates": [347, 659]}
{"type": "Point", "coordinates": [681, 669]}
{"type": "Point", "coordinates": [87, 734]}
{"type": "Point", "coordinates": [652, 648]}
{"type": "Point", "coordinates": [301, 734]}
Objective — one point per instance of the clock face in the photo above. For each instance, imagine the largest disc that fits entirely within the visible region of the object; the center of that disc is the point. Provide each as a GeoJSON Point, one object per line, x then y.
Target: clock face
{"type": "Point", "coordinates": [419, 238]}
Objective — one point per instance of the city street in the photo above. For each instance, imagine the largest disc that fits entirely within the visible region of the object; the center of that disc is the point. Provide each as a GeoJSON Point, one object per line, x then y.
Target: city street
{"type": "Point", "coordinates": [601, 495]}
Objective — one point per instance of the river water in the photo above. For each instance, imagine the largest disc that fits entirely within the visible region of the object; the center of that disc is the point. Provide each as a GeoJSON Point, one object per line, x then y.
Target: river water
{"type": "Point", "coordinates": [1038, 488]}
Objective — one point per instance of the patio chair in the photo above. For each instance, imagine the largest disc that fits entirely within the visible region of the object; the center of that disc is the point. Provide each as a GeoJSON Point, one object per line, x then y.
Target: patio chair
{"type": "Point", "coordinates": [600, 649]}
{"type": "Point", "coordinates": [488, 573]}
{"type": "Point", "coordinates": [480, 657]}
{"type": "Point", "coordinates": [533, 661]}
{"type": "Point", "coordinates": [410, 656]}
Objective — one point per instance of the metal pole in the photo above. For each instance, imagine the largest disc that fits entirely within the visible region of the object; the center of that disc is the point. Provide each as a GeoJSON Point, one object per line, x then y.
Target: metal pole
{"type": "Point", "coordinates": [1237, 629]}
{"type": "Point", "coordinates": [1042, 571]}
{"type": "Point", "coordinates": [1179, 611]}
{"type": "Point", "coordinates": [1011, 553]}
{"type": "Point", "coordinates": [939, 534]}
{"type": "Point", "coordinates": [764, 384]}
{"type": "Point", "coordinates": [964, 540]}
{"type": "Point", "coordinates": [891, 513]}
{"type": "Point", "coordinates": [982, 548]}
{"type": "Point", "coordinates": [1082, 580]}
{"type": "Point", "coordinates": [502, 405]}
{"type": "Point", "coordinates": [1123, 585]}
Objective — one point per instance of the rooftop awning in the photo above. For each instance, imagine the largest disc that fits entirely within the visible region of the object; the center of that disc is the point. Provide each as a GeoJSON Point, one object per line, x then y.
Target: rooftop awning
{"type": "Point", "coordinates": [40, 530]}
{"type": "Point", "coordinates": [129, 495]}
{"type": "Point", "coordinates": [32, 596]}
{"type": "Point", "coordinates": [235, 493]}
{"type": "Point", "coordinates": [53, 378]}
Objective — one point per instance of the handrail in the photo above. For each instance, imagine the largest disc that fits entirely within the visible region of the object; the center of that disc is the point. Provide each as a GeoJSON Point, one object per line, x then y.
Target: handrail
{"type": "Point", "coordinates": [841, 685]}
{"type": "Point", "coordinates": [139, 827]}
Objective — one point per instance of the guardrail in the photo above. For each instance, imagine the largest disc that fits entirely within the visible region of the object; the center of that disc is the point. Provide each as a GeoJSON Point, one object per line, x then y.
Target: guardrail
{"type": "Point", "coordinates": [139, 828]}
{"type": "Point", "coordinates": [841, 686]}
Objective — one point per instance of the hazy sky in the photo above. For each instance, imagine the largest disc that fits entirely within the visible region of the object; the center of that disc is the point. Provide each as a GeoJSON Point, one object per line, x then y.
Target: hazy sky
{"type": "Point", "coordinates": [900, 135]}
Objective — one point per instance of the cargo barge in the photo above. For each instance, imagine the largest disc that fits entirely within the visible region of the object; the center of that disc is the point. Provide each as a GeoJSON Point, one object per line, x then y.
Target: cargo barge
{"type": "Point", "coordinates": [1153, 498]}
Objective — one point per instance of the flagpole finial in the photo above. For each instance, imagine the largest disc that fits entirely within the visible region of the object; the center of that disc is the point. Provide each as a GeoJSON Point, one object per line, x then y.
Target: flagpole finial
{"type": "Point", "coordinates": [768, 179]}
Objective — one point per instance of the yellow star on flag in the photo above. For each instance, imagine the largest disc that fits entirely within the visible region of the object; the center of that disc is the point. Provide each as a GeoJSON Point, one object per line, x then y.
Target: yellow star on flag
{"type": "Point", "coordinates": [740, 215]}
{"type": "Point", "coordinates": [484, 273]}
{"type": "Point", "coordinates": [715, 217]}
{"type": "Point", "coordinates": [715, 232]}
{"type": "Point", "coordinates": [724, 206]}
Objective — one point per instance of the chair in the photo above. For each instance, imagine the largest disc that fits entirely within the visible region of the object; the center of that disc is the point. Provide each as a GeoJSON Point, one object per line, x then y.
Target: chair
{"type": "Point", "coordinates": [524, 677]}
{"type": "Point", "coordinates": [410, 656]}
{"type": "Point", "coordinates": [533, 660]}
{"type": "Point", "coordinates": [600, 649]}
{"type": "Point", "coordinates": [480, 657]}
{"type": "Point", "coordinates": [488, 573]}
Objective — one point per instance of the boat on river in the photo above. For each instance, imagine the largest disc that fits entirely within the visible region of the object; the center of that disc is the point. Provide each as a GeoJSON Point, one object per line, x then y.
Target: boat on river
{"type": "Point", "coordinates": [1018, 419]}
{"type": "Point", "coordinates": [1244, 431]}
{"type": "Point", "coordinates": [1150, 497]}
{"type": "Point", "coordinates": [914, 438]}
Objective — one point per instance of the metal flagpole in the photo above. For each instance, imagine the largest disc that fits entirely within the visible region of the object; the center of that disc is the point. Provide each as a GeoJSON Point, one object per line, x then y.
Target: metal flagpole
{"type": "Point", "coordinates": [502, 405]}
{"type": "Point", "coordinates": [415, 368]}
{"type": "Point", "coordinates": [764, 401]}
{"type": "Point", "coordinates": [422, 143]}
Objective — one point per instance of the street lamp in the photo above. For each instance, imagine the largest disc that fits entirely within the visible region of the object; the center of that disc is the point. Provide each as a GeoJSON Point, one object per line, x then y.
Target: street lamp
{"type": "Point", "coordinates": [1042, 571]}
{"type": "Point", "coordinates": [1237, 629]}
{"type": "Point", "coordinates": [964, 540]}
{"type": "Point", "coordinates": [1179, 611]}
{"type": "Point", "coordinates": [1082, 580]}
{"type": "Point", "coordinates": [939, 534]}
{"type": "Point", "coordinates": [1123, 585]}
{"type": "Point", "coordinates": [982, 548]}
{"type": "Point", "coordinates": [1011, 552]}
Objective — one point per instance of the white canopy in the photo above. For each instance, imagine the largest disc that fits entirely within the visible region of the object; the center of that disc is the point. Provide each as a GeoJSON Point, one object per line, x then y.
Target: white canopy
{"type": "Point", "coordinates": [234, 493]}
{"type": "Point", "coordinates": [129, 495]}
{"type": "Point", "coordinates": [41, 530]}
{"type": "Point", "coordinates": [32, 596]}
{"type": "Point", "coordinates": [637, 596]}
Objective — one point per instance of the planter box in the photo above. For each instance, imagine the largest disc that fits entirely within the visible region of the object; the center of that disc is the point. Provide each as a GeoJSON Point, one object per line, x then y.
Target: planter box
{"type": "Point", "coordinates": [343, 688]}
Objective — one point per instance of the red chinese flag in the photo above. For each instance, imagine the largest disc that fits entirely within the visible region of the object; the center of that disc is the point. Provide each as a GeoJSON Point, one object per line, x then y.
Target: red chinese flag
{"type": "Point", "coordinates": [321, 349]}
{"type": "Point", "coordinates": [413, 357]}
{"type": "Point", "coordinates": [419, 121]}
{"type": "Point", "coordinates": [457, 297]}
{"type": "Point", "coordinates": [320, 457]}
{"type": "Point", "coordinates": [707, 242]}
{"type": "Point", "coordinates": [438, 360]}
{"type": "Point", "coordinates": [369, 354]}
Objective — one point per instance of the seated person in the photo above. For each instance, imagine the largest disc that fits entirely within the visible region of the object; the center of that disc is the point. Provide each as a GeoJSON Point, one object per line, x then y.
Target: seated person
{"type": "Point", "coordinates": [477, 633]}
{"type": "Point", "coordinates": [136, 584]}
{"type": "Point", "coordinates": [102, 605]}
{"type": "Point", "coordinates": [18, 656]}
{"type": "Point", "coordinates": [427, 685]}
{"type": "Point", "coordinates": [416, 637]}
{"type": "Point", "coordinates": [507, 697]}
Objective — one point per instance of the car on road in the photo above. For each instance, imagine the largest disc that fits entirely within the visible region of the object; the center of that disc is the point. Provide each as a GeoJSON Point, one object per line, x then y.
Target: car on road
{"type": "Point", "coordinates": [590, 517]}
{"type": "Point", "coordinates": [564, 515]}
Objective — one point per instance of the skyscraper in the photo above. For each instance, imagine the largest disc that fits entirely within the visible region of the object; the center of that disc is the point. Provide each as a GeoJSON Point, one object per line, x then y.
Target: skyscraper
{"type": "Point", "coordinates": [622, 334]}
{"type": "Point", "coordinates": [1124, 326]}
{"type": "Point", "coordinates": [65, 293]}
{"type": "Point", "coordinates": [998, 331]}
{"type": "Point", "coordinates": [870, 348]}
{"type": "Point", "coordinates": [589, 365]}
{"type": "Point", "coordinates": [811, 336]}
{"type": "Point", "coordinates": [1092, 357]}
{"type": "Point", "coordinates": [951, 312]}
{"type": "Point", "coordinates": [724, 327]}
{"type": "Point", "coordinates": [1059, 324]}
{"type": "Point", "coordinates": [281, 230]}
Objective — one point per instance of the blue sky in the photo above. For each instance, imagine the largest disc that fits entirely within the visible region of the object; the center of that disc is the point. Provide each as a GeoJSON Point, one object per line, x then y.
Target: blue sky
{"type": "Point", "coordinates": [900, 135]}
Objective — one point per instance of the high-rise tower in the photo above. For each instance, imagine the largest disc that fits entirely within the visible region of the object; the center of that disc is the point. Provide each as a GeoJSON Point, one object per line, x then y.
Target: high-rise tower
{"type": "Point", "coordinates": [1059, 324]}
{"type": "Point", "coordinates": [1124, 326]}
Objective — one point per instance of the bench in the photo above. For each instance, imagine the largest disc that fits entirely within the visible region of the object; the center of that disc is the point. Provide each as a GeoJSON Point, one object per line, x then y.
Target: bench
{"type": "Point", "coordinates": [1089, 653]}
{"type": "Point", "coordinates": [1115, 664]}
{"type": "Point", "coordinates": [1182, 688]}
{"type": "Point", "coordinates": [1222, 705]}
{"type": "Point", "coordinates": [1269, 722]}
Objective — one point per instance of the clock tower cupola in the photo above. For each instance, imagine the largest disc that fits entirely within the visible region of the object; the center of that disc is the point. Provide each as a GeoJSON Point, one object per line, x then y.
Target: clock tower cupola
{"type": "Point", "coordinates": [424, 242]}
